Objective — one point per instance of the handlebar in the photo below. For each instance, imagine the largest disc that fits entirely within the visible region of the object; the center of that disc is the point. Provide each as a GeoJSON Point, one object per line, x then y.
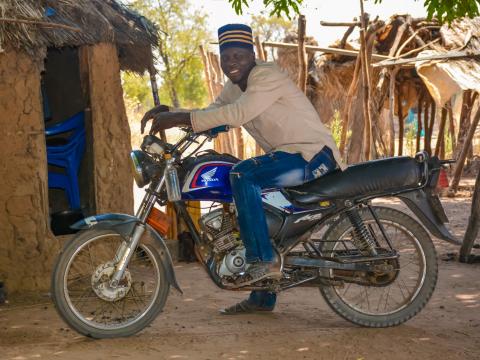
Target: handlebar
{"type": "Point", "coordinates": [216, 130]}
{"type": "Point", "coordinates": [152, 144]}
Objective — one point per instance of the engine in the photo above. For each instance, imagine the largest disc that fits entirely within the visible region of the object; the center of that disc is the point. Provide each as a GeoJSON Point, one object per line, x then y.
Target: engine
{"type": "Point", "coordinates": [221, 231]}
{"type": "Point", "coordinates": [219, 228]}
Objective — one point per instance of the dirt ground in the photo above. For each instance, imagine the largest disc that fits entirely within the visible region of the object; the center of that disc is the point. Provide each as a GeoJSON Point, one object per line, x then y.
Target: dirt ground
{"type": "Point", "coordinates": [301, 327]}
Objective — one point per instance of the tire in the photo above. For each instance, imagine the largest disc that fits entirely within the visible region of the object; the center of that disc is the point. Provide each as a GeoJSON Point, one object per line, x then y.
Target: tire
{"type": "Point", "coordinates": [146, 262]}
{"type": "Point", "coordinates": [425, 283]}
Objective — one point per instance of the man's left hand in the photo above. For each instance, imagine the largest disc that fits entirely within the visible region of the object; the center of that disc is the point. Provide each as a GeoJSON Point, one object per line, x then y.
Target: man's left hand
{"type": "Point", "coordinates": [151, 114]}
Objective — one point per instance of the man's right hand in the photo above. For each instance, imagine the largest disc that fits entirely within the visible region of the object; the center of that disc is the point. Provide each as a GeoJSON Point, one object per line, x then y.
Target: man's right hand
{"type": "Point", "coordinates": [150, 115]}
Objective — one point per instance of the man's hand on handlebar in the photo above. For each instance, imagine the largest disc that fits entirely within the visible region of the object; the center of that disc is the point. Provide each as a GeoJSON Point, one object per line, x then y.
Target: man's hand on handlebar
{"type": "Point", "coordinates": [151, 115]}
{"type": "Point", "coordinates": [162, 119]}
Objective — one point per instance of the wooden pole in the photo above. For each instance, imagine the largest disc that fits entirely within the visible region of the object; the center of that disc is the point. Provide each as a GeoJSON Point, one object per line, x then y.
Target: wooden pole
{"type": "Point", "coordinates": [366, 85]}
{"type": "Point", "coordinates": [302, 54]}
{"type": "Point", "coordinates": [441, 133]}
{"type": "Point", "coordinates": [419, 122]}
{"type": "Point", "coordinates": [433, 115]}
{"type": "Point", "coordinates": [353, 91]}
{"type": "Point", "coordinates": [392, 51]}
{"type": "Point", "coordinates": [391, 123]}
{"type": "Point", "coordinates": [451, 124]}
{"type": "Point", "coordinates": [426, 126]}
{"type": "Point", "coordinates": [156, 99]}
{"type": "Point", "coordinates": [473, 224]}
{"type": "Point", "coordinates": [259, 48]}
{"type": "Point", "coordinates": [401, 121]}
{"type": "Point", "coordinates": [348, 103]}
{"type": "Point", "coordinates": [345, 36]}
{"type": "Point", "coordinates": [465, 115]}
{"type": "Point", "coordinates": [463, 155]}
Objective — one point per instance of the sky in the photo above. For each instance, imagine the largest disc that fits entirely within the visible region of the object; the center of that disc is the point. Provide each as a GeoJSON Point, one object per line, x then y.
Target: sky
{"type": "Point", "coordinates": [220, 13]}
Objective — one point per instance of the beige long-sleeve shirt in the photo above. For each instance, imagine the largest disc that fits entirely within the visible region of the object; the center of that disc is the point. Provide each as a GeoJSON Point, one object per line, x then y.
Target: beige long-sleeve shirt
{"type": "Point", "coordinates": [273, 110]}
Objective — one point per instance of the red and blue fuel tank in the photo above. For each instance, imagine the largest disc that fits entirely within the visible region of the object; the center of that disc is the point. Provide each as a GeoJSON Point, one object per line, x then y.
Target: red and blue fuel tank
{"type": "Point", "coordinates": [207, 178]}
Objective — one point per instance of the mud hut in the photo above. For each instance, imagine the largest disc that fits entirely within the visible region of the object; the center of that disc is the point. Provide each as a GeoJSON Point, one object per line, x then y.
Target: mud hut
{"type": "Point", "coordinates": [70, 52]}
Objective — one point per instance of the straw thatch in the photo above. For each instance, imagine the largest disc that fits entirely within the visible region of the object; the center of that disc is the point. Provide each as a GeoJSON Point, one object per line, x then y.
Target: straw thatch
{"type": "Point", "coordinates": [95, 21]}
{"type": "Point", "coordinates": [400, 86]}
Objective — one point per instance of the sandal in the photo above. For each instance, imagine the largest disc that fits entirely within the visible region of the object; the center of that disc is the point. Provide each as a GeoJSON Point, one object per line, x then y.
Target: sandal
{"type": "Point", "coordinates": [244, 307]}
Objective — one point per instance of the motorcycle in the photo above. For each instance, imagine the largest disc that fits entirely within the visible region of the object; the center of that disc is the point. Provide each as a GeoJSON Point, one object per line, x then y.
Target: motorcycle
{"type": "Point", "coordinates": [375, 266]}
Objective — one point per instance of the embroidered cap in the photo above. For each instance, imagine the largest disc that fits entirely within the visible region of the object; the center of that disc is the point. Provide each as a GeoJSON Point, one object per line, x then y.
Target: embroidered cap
{"type": "Point", "coordinates": [235, 35]}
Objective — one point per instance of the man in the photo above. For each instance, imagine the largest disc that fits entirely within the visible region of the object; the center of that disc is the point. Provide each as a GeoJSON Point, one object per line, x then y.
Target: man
{"type": "Point", "coordinates": [299, 148]}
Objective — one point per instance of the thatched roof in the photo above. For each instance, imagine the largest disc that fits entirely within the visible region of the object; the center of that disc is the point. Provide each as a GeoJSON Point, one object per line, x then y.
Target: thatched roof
{"type": "Point", "coordinates": [331, 75]}
{"type": "Point", "coordinates": [95, 20]}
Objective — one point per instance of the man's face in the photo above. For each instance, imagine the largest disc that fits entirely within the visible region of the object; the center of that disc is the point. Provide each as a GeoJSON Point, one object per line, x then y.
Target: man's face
{"type": "Point", "coordinates": [236, 63]}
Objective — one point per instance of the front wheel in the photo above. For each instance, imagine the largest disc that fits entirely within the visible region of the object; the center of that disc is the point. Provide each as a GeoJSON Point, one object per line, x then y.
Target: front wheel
{"type": "Point", "coordinates": [386, 298]}
{"type": "Point", "coordinates": [84, 298]}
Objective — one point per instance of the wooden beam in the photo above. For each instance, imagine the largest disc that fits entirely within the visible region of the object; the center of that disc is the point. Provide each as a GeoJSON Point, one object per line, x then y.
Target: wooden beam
{"type": "Point", "coordinates": [450, 55]}
{"type": "Point", "coordinates": [328, 50]}
{"type": "Point", "coordinates": [353, 53]}
{"type": "Point", "coordinates": [352, 23]}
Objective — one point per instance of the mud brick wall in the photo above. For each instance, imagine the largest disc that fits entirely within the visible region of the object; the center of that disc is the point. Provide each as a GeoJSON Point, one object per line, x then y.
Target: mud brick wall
{"type": "Point", "coordinates": [27, 248]}
{"type": "Point", "coordinates": [111, 132]}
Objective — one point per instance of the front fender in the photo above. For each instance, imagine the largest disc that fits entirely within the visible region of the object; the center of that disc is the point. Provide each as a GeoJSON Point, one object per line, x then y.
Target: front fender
{"type": "Point", "coordinates": [123, 224]}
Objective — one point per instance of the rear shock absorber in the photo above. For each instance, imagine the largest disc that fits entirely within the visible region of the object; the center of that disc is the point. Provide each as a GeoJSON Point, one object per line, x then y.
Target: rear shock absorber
{"type": "Point", "coordinates": [362, 238]}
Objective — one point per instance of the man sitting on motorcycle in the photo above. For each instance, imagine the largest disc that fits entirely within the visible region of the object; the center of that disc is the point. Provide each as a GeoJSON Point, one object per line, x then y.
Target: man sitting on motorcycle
{"type": "Point", "coordinates": [281, 119]}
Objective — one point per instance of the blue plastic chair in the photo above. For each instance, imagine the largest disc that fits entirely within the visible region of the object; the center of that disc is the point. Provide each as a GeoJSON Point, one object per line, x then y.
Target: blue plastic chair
{"type": "Point", "coordinates": [68, 155]}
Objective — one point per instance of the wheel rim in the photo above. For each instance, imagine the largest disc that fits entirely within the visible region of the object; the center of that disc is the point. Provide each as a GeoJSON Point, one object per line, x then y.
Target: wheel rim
{"type": "Point", "coordinates": [83, 288]}
{"type": "Point", "coordinates": [403, 290]}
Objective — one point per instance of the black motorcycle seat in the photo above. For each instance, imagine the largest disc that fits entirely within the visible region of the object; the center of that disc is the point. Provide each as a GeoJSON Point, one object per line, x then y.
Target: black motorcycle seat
{"type": "Point", "coordinates": [361, 180]}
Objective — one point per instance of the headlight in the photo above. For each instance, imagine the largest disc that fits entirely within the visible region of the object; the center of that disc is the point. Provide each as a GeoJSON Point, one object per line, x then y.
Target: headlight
{"type": "Point", "coordinates": [144, 168]}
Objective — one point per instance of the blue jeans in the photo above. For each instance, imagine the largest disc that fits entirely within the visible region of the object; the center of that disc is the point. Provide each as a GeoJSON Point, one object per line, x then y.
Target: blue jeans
{"type": "Point", "coordinates": [273, 170]}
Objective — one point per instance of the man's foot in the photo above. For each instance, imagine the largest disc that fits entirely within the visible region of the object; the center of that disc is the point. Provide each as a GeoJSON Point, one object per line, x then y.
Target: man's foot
{"type": "Point", "coordinates": [245, 307]}
{"type": "Point", "coordinates": [259, 271]}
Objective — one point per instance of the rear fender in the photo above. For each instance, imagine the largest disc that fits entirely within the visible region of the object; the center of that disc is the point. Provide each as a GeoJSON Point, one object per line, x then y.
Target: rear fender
{"type": "Point", "coordinates": [430, 212]}
{"type": "Point", "coordinates": [123, 224]}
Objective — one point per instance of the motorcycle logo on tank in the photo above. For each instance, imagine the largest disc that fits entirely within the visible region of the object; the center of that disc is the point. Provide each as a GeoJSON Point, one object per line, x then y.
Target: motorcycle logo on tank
{"type": "Point", "coordinates": [211, 174]}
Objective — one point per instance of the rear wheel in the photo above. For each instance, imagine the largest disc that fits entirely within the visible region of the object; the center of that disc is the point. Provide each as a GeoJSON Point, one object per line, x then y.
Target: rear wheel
{"type": "Point", "coordinates": [390, 296]}
{"type": "Point", "coordinates": [84, 298]}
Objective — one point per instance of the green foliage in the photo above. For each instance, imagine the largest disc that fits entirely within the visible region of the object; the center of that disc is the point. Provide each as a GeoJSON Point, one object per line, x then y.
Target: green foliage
{"type": "Point", "coordinates": [137, 89]}
{"type": "Point", "coordinates": [278, 6]}
{"type": "Point", "coordinates": [411, 137]}
{"type": "Point", "coordinates": [449, 10]}
{"type": "Point", "coordinates": [336, 127]}
{"type": "Point", "coordinates": [271, 28]}
{"type": "Point", "coordinates": [448, 145]}
{"type": "Point", "coordinates": [443, 10]}
{"type": "Point", "coordinates": [182, 30]}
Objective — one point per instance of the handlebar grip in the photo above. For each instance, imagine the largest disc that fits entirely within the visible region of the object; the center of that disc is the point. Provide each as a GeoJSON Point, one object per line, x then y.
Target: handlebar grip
{"type": "Point", "coordinates": [217, 130]}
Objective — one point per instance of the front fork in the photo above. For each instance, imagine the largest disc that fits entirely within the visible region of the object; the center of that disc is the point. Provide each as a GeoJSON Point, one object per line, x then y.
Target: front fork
{"type": "Point", "coordinates": [127, 248]}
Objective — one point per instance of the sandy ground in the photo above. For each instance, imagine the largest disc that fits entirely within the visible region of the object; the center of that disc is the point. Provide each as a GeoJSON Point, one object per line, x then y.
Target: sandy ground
{"type": "Point", "coordinates": [301, 327]}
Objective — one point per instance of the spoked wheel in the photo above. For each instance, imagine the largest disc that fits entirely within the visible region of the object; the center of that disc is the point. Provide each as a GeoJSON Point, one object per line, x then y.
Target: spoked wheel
{"type": "Point", "coordinates": [399, 288]}
{"type": "Point", "coordinates": [84, 297]}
